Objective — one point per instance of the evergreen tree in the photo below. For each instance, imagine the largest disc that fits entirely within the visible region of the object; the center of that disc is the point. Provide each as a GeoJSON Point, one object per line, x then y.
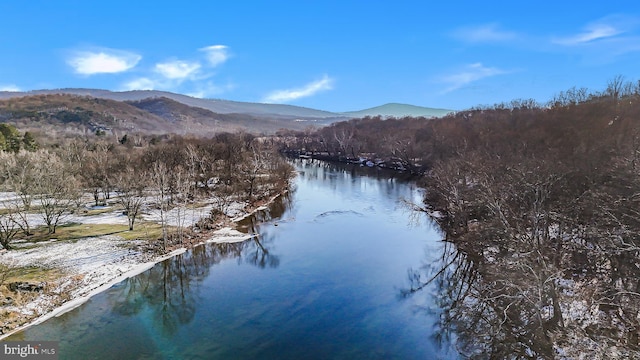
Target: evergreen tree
{"type": "Point", "coordinates": [29, 142]}
{"type": "Point", "coordinates": [11, 136]}
{"type": "Point", "coordinates": [3, 142]}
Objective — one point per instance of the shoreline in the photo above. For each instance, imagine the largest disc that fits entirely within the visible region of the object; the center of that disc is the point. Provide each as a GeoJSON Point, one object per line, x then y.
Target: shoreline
{"type": "Point", "coordinates": [223, 235]}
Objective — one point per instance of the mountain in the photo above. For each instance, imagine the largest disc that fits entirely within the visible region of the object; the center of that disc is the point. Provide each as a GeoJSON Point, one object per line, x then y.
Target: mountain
{"type": "Point", "coordinates": [68, 113]}
{"type": "Point", "coordinates": [398, 111]}
{"type": "Point", "coordinates": [196, 120]}
{"type": "Point", "coordinates": [157, 112]}
{"type": "Point", "coordinates": [214, 105]}
{"type": "Point", "coordinates": [79, 114]}
{"type": "Point", "coordinates": [237, 107]}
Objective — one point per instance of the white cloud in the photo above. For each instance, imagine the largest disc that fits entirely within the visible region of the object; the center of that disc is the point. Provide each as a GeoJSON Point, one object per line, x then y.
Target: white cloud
{"type": "Point", "coordinates": [603, 41]}
{"type": "Point", "coordinates": [216, 54]}
{"type": "Point", "coordinates": [191, 76]}
{"type": "Point", "coordinates": [103, 61]}
{"type": "Point", "coordinates": [178, 69]}
{"type": "Point", "coordinates": [592, 32]}
{"type": "Point", "coordinates": [484, 33]}
{"type": "Point", "coordinates": [469, 74]}
{"type": "Point", "coordinates": [10, 87]}
{"type": "Point", "coordinates": [141, 84]}
{"type": "Point", "coordinates": [278, 96]}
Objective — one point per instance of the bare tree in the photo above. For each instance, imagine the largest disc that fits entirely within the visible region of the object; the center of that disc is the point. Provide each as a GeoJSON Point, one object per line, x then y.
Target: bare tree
{"type": "Point", "coordinates": [344, 138]}
{"type": "Point", "coordinates": [161, 187]}
{"type": "Point", "coordinates": [8, 229]}
{"type": "Point", "coordinates": [21, 174]}
{"type": "Point", "coordinates": [96, 172]}
{"type": "Point", "coordinates": [130, 187]}
{"type": "Point", "coordinates": [57, 192]}
{"type": "Point", "coordinates": [252, 168]}
{"type": "Point", "coordinates": [196, 168]}
{"type": "Point", "coordinates": [181, 199]}
{"type": "Point", "coordinates": [615, 87]}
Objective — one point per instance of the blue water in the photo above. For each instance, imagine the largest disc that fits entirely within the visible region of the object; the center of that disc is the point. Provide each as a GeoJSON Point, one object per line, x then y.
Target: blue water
{"type": "Point", "coordinates": [321, 281]}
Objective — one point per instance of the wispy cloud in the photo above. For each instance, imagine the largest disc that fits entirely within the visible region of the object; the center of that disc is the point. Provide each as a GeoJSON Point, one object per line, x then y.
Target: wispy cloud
{"type": "Point", "coordinates": [190, 76]}
{"type": "Point", "coordinates": [283, 96]}
{"type": "Point", "coordinates": [469, 74]}
{"type": "Point", "coordinates": [9, 87]}
{"type": "Point", "coordinates": [484, 33]}
{"type": "Point", "coordinates": [604, 40]}
{"type": "Point", "coordinates": [611, 27]}
{"type": "Point", "coordinates": [177, 70]}
{"type": "Point", "coordinates": [216, 54]}
{"type": "Point", "coordinates": [102, 61]}
{"type": "Point", "coordinates": [591, 33]}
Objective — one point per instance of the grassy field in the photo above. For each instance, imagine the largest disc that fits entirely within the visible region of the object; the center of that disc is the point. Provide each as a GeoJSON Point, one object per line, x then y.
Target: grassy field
{"type": "Point", "coordinates": [76, 231]}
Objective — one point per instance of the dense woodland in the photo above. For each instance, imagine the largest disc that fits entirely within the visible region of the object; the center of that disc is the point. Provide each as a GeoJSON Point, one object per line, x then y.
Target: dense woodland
{"type": "Point", "coordinates": [540, 207]}
{"type": "Point", "coordinates": [162, 174]}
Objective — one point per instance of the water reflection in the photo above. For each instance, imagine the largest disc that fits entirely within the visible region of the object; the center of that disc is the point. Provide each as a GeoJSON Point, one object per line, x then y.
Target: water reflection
{"type": "Point", "coordinates": [319, 280]}
{"type": "Point", "coordinates": [255, 224]}
{"type": "Point", "coordinates": [514, 308]}
{"type": "Point", "coordinates": [454, 276]}
{"type": "Point", "coordinates": [355, 179]}
{"type": "Point", "coordinates": [257, 251]}
{"type": "Point", "coordinates": [165, 291]}
{"type": "Point", "coordinates": [322, 170]}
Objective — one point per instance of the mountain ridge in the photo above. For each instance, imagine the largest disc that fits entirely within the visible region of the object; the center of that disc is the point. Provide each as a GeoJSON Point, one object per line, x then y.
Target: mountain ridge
{"type": "Point", "coordinates": [69, 113]}
{"type": "Point", "coordinates": [221, 106]}
{"type": "Point", "coordinates": [398, 110]}
{"type": "Point", "coordinates": [215, 105]}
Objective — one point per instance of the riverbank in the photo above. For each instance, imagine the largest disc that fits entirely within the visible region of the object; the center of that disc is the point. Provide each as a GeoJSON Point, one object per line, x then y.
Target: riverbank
{"type": "Point", "coordinates": [391, 164]}
{"type": "Point", "coordinates": [77, 270]}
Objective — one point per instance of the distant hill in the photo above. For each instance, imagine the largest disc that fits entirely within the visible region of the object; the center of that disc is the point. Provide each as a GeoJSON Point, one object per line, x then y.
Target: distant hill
{"type": "Point", "coordinates": [214, 105]}
{"type": "Point", "coordinates": [67, 113]}
{"type": "Point", "coordinates": [157, 112]}
{"type": "Point", "coordinates": [73, 114]}
{"type": "Point", "coordinates": [237, 107]}
{"type": "Point", "coordinates": [398, 110]}
{"type": "Point", "coordinates": [196, 120]}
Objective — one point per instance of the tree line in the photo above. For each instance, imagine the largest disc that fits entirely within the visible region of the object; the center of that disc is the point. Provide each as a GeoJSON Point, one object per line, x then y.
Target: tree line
{"type": "Point", "coordinates": [166, 175]}
{"type": "Point", "coordinates": [541, 204]}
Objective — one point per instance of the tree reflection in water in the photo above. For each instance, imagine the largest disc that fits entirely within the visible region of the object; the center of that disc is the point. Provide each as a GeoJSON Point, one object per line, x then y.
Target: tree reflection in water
{"type": "Point", "coordinates": [515, 308]}
{"type": "Point", "coordinates": [495, 313]}
{"type": "Point", "coordinates": [169, 290]}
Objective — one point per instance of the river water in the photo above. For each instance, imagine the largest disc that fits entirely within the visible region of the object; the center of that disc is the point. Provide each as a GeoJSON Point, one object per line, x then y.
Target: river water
{"type": "Point", "coordinates": [322, 280]}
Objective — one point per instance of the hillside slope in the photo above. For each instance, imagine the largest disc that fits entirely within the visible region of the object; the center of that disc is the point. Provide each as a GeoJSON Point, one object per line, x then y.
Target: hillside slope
{"type": "Point", "coordinates": [196, 120]}
{"type": "Point", "coordinates": [238, 107]}
{"type": "Point", "coordinates": [70, 114]}
{"type": "Point", "coordinates": [158, 112]}
{"type": "Point", "coordinates": [214, 105]}
{"type": "Point", "coordinates": [76, 114]}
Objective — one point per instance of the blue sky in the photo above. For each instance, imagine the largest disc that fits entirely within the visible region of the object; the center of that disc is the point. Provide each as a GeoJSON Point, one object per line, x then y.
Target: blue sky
{"type": "Point", "coordinates": [330, 55]}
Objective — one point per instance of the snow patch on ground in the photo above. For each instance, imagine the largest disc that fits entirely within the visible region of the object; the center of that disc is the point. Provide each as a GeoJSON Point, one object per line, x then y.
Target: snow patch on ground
{"type": "Point", "coordinates": [93, 264]}
{"type": "Point", "coordinates": [97, 262]}
{"type": "Point", "coordinates": [7, 197]}
{"type": "Point", "coordinates": [78, 254]}
{"type": "Point", "coordinates": [229, 235]}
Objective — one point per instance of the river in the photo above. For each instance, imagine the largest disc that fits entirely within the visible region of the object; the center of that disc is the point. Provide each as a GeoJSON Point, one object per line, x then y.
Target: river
{"type": "Point", "coordinates": [322, 280]}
